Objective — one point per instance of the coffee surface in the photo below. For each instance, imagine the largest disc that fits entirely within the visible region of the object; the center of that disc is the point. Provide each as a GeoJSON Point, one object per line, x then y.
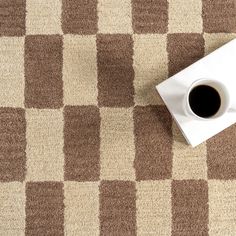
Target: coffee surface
{"type": "Point", "coordinates": [204, 101]}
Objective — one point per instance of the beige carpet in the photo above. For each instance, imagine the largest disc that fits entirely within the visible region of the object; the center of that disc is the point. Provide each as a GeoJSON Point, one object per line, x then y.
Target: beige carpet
{"type": "Point", "coordinates": [86, 145]}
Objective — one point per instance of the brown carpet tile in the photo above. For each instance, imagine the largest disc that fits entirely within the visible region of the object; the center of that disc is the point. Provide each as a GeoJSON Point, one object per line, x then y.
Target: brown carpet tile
{"type": "Point", "coordinates": [87, 147]}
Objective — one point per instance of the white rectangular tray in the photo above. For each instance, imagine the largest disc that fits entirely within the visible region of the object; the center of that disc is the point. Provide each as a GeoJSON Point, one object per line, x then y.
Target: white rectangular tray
{"type": "Point", "coordinates": [219, 65]}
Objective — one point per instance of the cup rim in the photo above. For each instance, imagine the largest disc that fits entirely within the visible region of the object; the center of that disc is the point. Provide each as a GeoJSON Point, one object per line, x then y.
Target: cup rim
{"type": "Point", "coordinates": [209, 80]}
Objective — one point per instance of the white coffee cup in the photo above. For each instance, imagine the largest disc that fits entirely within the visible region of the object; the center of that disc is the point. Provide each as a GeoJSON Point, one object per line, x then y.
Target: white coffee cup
{"type": "Point", "coordinates": [222, 91]}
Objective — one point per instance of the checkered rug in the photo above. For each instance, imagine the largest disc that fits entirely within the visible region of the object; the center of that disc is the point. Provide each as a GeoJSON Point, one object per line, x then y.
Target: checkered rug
{"type": "Point", "coordinates": [87, 147]}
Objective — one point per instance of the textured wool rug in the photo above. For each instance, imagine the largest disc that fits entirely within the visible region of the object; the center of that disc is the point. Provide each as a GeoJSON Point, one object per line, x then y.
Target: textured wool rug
{"type": "Point", "coordinates": [86, 145]}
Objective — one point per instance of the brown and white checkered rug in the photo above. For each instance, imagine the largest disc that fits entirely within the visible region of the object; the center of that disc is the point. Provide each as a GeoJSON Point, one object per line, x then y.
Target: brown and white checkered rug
{"type": "Point", "coordinates": [86, 145]}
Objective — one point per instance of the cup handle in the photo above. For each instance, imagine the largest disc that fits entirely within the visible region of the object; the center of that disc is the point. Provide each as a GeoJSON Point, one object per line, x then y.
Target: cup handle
{"type": "Point", "coordinates": [232, 108]}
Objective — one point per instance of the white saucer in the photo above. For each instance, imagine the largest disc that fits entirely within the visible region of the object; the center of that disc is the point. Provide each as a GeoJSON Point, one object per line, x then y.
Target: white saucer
{"type": "Point", "coordinates": [219, 65]}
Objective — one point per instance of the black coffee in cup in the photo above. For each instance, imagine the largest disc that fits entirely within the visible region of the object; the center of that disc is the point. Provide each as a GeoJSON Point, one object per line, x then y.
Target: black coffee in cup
{"type": "Point", "coordinates": [204, 101]}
